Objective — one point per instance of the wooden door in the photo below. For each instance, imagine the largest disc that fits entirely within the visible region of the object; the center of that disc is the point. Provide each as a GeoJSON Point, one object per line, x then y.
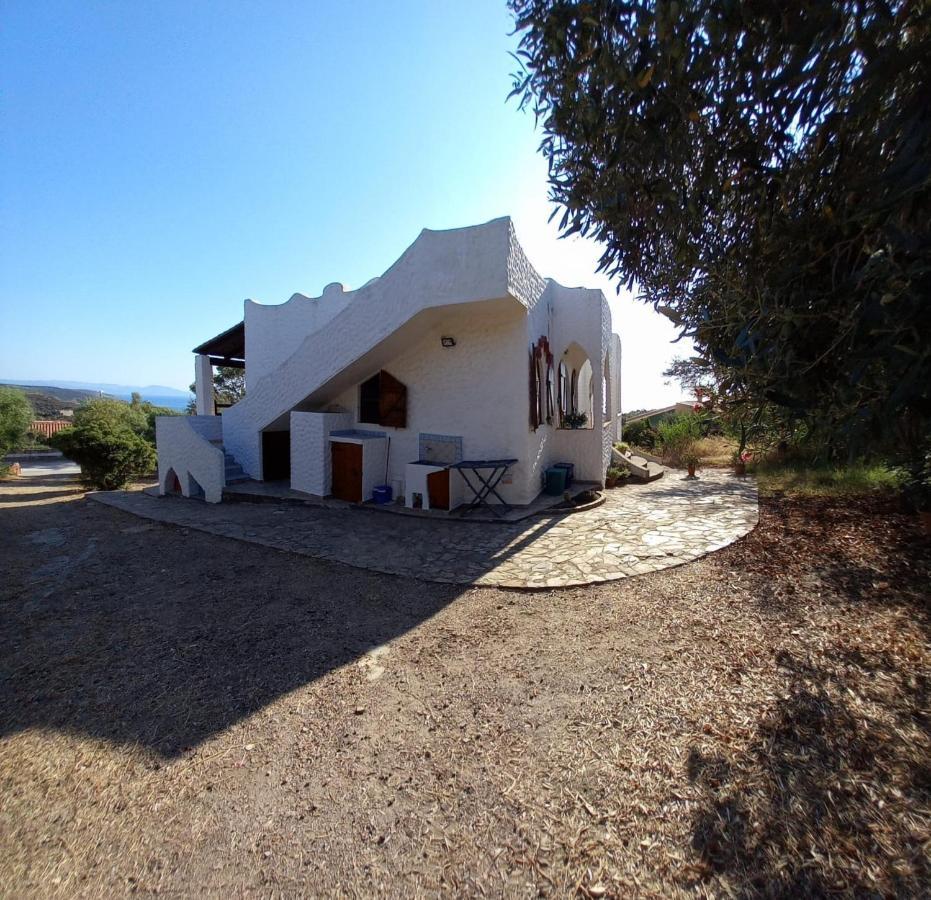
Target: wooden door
{"type": "Point", "coordinates": [438, 489]}
{"type": "Point", "coordinates": [347, 471]}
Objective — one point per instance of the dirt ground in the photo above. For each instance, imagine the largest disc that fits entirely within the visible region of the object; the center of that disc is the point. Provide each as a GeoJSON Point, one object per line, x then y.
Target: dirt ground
{"type": "Point", "coordinates": [186, 714]}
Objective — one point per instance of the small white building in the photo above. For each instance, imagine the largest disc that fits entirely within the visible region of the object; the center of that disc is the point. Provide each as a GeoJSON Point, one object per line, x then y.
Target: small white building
{"type": "Point", "coordinates": [460, 351]}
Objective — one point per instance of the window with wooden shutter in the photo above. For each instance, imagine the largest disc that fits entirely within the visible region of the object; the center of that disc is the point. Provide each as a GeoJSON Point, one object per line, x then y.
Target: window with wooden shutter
{"type": "Point", "coordinates": [383, 401]}
{"type": "Point", "coordinates": [392, 402]}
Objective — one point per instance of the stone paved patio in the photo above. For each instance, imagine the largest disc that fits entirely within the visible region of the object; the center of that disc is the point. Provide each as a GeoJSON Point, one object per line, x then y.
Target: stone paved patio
{"type": "Point", "coordinates": [641, 528]}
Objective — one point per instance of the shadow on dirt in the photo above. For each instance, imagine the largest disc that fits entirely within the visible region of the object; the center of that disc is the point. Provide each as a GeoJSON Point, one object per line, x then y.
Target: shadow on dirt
{"type": "Point", "coordinates": [825, 795]}
{"type": "Point", "coordinates": [144, 634]}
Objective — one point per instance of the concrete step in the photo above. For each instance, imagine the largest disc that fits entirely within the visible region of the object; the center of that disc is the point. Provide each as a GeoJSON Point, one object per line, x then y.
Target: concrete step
{"type": "Point", "coordinates": [640, 469]}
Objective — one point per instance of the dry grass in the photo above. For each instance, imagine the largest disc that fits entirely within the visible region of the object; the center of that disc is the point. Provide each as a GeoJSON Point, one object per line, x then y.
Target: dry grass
{"type": "Point", "coordinates": [753, 724]}
{"type": "Point", "coordinates": [716, 451]}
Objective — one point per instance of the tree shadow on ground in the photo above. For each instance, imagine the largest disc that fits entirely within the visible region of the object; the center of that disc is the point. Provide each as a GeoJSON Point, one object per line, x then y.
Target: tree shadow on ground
{"type": "Point", "coordinates": [158, 636]}
{"type": "Point", "coordinates": [823, 800]}
{"type": "Point", "coordinates": [795, 815]}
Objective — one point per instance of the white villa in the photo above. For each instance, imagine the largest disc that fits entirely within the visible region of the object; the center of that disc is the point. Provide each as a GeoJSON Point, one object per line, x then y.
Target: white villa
{"type": "Point", "coordinates": [461, 351]}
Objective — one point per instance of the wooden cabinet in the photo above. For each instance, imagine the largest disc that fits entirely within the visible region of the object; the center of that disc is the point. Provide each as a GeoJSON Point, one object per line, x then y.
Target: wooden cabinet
{"type": "Point", "coordinates": [438, 489]}
{"type": "Point", "coordinates": [347, 471]}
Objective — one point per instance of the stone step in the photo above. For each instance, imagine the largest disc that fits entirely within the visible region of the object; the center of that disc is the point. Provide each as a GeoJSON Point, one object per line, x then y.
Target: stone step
{"type": "Point", "coordinates": [640, 469]}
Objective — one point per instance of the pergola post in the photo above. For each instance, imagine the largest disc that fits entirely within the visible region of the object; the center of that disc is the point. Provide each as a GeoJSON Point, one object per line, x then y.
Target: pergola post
{"type": "Point", "coordinates": [203, 384]}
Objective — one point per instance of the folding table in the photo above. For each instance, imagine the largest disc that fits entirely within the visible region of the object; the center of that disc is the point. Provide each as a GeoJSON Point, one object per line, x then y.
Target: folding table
{"type": "Point", "coordinates": [485, 485]}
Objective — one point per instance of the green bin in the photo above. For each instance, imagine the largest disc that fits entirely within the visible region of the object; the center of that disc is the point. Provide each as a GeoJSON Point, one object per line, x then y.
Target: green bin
{"type": "Point", "coordinates": [555, 481]}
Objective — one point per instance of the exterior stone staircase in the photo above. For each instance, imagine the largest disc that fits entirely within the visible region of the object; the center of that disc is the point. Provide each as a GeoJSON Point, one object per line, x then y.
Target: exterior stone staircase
{"type": "Point", "coordinates": [232, 471]}
{"type": "Point", "coordinates": [641, 469]}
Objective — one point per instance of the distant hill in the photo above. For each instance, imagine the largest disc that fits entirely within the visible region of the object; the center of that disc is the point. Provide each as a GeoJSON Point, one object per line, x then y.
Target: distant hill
{"type": "Point", "coordinates": [117, 390]}
{"type": "Point", "coordinates": [50, 400]}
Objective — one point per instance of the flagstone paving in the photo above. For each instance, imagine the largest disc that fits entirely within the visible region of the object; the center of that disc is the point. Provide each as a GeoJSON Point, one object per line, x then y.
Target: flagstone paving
{"type": "Point", "coordinates": [639, 529]}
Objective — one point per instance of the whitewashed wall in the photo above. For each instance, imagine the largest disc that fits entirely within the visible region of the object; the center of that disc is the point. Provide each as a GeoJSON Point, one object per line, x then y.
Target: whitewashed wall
{"type": "Point", "coordinates": [440, 269]}
{"type": "Point", "coordinates": [476, 390]}
{"type": "Point", "coordinates": [311, 463]}
{"type": "Point", "coordinates": [184, 448]}
{"type": "Point", "coordinates": [273, 333]}
{"type": "Point", "coordinates": [474, 284]}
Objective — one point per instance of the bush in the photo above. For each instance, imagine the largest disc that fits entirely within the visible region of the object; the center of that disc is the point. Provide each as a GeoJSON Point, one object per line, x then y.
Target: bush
{"type": "Point", "coordinates": [16, 417]}
{"type": "Point", "coordinates": [640, 434]}
{"type": "Point", "coordinates": [678, 437]}
{"type": "Point", "coordinates": [108, 452]}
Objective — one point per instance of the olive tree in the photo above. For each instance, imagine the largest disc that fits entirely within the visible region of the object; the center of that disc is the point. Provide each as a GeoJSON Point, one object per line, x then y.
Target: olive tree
{"type": "Point", "coordinates": [762, 172]}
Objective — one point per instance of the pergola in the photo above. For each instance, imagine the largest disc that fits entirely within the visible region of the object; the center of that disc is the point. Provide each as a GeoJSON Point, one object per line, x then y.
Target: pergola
{"type": "Point", "coordinates": [226, 349]}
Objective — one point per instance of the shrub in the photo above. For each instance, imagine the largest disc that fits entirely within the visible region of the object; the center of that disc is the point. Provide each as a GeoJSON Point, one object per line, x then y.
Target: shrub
{"type": "Point", "coordinates": [109, 453]}
{"type": "Point", "coordinates": [16, 417]}
{"type": "Point", "coordinates": [640, 434]}
{"type": "Point", "coordinates": [622, 447]}
{"type": "Point", "coordinates": [678, 438]}
{"type": "Point", "coordinates": [110, 414]}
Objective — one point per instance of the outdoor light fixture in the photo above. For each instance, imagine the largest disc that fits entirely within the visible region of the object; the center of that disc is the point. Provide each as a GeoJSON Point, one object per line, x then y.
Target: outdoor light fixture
{"type": "Point", "coordinates": [448, 341]}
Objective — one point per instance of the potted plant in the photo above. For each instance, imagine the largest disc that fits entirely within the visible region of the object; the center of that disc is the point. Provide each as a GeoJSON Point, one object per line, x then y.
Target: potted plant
{"type": "Point", "coordinates": [691, 458]}
{"type": "Point", "coordinates": [615, 475]}
{"type": "Point", "coordinates": [740, 462]}
{"type": "Point", "coordinates": [575, 420]}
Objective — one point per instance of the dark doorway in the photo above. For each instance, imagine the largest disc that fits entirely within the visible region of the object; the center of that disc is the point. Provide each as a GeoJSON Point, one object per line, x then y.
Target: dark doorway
{"type": "Point", "coordinates": [276, 455]}
{"type": "Point", "coordinates": [347, 471]}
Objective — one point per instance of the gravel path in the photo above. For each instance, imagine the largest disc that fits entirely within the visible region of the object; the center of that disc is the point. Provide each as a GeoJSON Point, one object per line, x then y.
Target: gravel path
{"type": "Point", "coordinates": [639, 529]}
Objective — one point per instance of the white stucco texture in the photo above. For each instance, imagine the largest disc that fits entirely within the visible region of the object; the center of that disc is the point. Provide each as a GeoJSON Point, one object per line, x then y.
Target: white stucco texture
{"type": "Point", "coordinates": [306, 358]}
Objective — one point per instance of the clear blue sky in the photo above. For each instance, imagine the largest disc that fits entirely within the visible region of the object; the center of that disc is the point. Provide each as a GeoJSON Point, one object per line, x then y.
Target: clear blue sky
{"type": "Point", "coordinates": [161, 161]}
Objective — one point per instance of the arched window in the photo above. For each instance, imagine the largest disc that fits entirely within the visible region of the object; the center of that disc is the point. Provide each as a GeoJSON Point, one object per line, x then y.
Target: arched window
{"type": "Point", "coordinates": [542, 386]}
{"type": "Point", "coordinates": [563, 392]}
{"type": "Point", "coordinates": [579, 387]}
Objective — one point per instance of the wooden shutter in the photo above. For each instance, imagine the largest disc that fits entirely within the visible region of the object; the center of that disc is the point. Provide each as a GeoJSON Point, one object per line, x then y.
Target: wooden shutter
{"type": "Point", "coordinates": [392, 401]}
{"type": "Point", "coordinates": [534, 392]}
{"type": "Point", "coordinates": [370, 401]}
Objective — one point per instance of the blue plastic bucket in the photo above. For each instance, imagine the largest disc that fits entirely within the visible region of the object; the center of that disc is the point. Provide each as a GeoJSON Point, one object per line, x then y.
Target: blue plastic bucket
{"type": "Point", "coordinates": [382, 493]}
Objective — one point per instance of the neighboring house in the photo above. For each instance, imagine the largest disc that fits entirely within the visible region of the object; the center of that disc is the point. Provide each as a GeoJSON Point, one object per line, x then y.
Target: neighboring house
{"type": "Point", "coordinates": [461, 348]}
{"type": "Point", "coordinates": [663, 414]}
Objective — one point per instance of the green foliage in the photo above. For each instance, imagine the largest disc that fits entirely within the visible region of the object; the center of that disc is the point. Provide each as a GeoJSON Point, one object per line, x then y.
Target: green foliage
{"type": "Point", "coordinates": [622, 447]}
{"type": "Point", "coordinates": [109, 452]}
{"type": "Point", "coordinates": [677, 438]}
{"type": "Point", "coordinates": [229, 387]}
{"type": "Point", "coordinates": [805, 478]}
{"type": "Point", "coordinates": [641, 434]}
{"type": "Point", "coordinates": [112, 440]}
{"type": "Point", "coordinates": [110, 414]}
{"type": "Point", "coordinates": [575, 419]}
{"type": "Point", "coordinates": [618, 472]}
{"type": "Point", "coordinates": [763, 173]}
{"type": "Point", "coordinates": [16, 415]}
{"type": "Point", "coordinates": [150, 411]}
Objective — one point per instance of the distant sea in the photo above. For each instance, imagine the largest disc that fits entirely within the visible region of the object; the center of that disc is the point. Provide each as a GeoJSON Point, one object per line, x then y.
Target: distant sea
{"type": "Point", "coordinates": [173, 402]}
